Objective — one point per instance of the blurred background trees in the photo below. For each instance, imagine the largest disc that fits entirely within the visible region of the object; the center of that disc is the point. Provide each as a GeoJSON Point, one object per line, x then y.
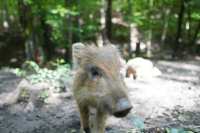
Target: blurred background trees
{"type": "Point", "coordinates": [42, 30]}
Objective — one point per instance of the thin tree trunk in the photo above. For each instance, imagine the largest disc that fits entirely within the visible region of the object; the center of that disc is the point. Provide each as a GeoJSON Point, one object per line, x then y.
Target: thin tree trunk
{"type": "Point", "coordinates": [103, 23]}
{"type": "Point", "coordinates": [6, 20]}
{"type": "Point", "coordinates": [68, 54]}
{"type": "Point", "coordinates": [165, 26]}
{"type": "Point", "coordinates": [194, 39]}
{"type": "Point", "coordinates": [137, 51]}
{"type": "Point", "coordinates": [79, 21]}
{"type": "Point", "coordinates": [134, 40]}
{"type": "Point", "coordinates": [1, 14]}
{"type": "Point", "coordinates": [26, 22]}
{"type": "Point", "coordinates": [106, 23]}
{"type": "Point", "coordinates": [149, 42]}
{"type": "Point", "coordinates": [48, 45]}
{"type": "Point", "coordinates": [109, 19]}
{"type": "Point", "coordinates": [179, 30]}
{"type": "Point", "coordinates": [70, 40]}
{"type": "Point", "coordinates": [25, 16]}
{"type": "Point", "coordinates": [188, 23]}
{"type": "Point", "coordinates": [132, 36]}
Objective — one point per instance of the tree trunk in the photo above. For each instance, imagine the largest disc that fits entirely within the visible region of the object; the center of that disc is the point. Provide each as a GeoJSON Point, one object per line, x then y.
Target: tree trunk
{"type": "Point", "coordinates": [188, 23]}
{"type": "Point", "coordinates": [69, 34]}
{"type": "Point", "coordinates": [179, 30]}
{"type": "Point", "coordinates": [25, 17]}
{"type": "Point", "coordinates": [6, 20]}
{"type": "Point", "coordinates": [26, 22]}
{"type": "Point", "coordinates": [165, 26]}
{"type": "Point", "coordinates": [109, 19]}
{"type": "Point", "coordinates": [137, 51]}
{"type": "Point", "coordinates": [149, 42]}
{"type": "Point", "coordinates": [103, 23]}
{"type": "Point", "coordinates": [134, 40]}
{"type": "Point", "coordinates": [106, 21]}
{"type": "Point", "coordinates": [47, 45]}
{"type": "Point", "coordinates": [132, 32]}
{"type": "Point", "coordinates": [79, 21]}
{"type": "Point", "coordinates": [68, 55]}
{"type": "Point", "coordinates": [194, 39]}
{"type": "Point", "coordinates": [1, 14]}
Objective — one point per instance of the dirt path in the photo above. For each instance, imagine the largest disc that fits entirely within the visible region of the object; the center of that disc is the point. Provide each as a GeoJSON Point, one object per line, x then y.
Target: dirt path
{"type": "Point", "coordinates": [171, 100]}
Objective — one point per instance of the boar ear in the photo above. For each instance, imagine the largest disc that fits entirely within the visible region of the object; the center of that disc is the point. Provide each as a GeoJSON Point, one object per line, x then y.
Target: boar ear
{"type": "Point", "coordinates": [77, 49]}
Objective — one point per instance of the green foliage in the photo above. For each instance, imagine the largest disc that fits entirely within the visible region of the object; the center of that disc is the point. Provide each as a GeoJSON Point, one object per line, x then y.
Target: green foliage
{"type": "Point", "coordinates": [19, 72]}
{"type": "Point", "coordinates": [177, 130]}
{"type": "Point", "coordinates": [43, 95]}
{"type": "Point", "coordinates": [24, 95]}
{"type": "Point", "coordinates": [59, 10]}
{"type": "Point", "coordinates": [31, 66]}
{"type": "Point", "coordinates": [58, 62]}
{"type": "Point", "coordinates": [56, 78]}
{"type": "Point", "coordinates": [79, 20]}
{"type": "Point", "coordinates": [57, 19]}
{"type": "Point", "coordinates": [196, 15]}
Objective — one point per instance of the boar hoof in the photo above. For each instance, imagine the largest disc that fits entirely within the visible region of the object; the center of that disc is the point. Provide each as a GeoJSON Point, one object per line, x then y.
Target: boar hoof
{"type": "Point", "coordinates": [87, 130]}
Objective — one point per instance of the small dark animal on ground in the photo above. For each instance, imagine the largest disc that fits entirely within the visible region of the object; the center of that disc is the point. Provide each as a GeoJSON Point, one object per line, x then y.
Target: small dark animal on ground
{"type": "Point", "coordinates": [131, 71]}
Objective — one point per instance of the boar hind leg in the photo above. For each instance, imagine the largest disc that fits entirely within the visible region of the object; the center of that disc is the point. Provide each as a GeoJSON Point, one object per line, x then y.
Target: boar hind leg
{"type": "Point", "coordinates": [84, 117]}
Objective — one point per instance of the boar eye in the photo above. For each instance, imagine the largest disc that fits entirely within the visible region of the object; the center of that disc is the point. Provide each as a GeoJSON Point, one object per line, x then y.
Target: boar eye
{"type": "Point", "coordinates": [95, 72]}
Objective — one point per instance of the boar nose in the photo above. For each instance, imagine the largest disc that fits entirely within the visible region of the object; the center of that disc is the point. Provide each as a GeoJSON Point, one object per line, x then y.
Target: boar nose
{"type": "Point", "coordinates": [123, 108]}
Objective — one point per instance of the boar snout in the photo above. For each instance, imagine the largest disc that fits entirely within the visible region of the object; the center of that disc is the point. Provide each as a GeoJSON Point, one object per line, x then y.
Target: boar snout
{"type": "Point", "coordinates": [123, 107]}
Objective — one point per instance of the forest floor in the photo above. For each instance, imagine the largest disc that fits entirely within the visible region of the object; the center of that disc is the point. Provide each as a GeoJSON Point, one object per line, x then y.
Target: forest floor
{"type": "Point", "coordinates": [170, 101]}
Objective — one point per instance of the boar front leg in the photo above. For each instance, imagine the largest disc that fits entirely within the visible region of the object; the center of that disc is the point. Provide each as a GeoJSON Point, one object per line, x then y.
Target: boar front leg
{"type": "Point", "coordinates": [84, 118]}
{"type": "Point", "coordinates": [97, 121]}
{"type": "Point", "coordinates": [100, 121]}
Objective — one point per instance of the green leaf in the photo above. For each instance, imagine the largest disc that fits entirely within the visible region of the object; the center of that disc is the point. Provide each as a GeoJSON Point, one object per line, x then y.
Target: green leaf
{"type": "Point", "coordinates": [196, 15]}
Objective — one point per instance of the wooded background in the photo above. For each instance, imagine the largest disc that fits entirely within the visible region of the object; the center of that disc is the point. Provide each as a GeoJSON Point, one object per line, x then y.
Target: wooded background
{"type": "Point", "coordinates": [42, 30]}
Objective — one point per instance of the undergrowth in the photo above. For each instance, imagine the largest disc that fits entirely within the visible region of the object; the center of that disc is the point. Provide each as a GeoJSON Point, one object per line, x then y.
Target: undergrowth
{"type": "Point", "coordinates": [57, 77]}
